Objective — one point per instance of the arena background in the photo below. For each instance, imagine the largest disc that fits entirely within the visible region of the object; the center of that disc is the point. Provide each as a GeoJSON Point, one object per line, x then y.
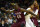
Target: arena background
{"type": "Point", "coordinates": [22, 3]}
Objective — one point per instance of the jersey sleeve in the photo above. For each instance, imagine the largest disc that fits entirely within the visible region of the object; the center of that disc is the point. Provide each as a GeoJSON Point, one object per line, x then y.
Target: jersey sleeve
{"type": "Point", "coordinates": [24, 13]}
{"type": "Point", "coordinates": [36, 12]}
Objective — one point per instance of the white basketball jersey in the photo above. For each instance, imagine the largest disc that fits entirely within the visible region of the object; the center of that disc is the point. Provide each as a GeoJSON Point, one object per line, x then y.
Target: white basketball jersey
{"type": "Point", "coordinates": [28, 21]}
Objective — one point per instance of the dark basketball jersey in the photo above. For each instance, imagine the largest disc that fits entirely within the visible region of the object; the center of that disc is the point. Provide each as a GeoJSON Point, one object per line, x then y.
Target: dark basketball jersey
{"type": "Point", "coordinates": [34, 20]}
{"type": "Point", "coordinates": [19, 15]}
{"type": "Point", "coordinates": [35, 8]}
{"type": "Point", "coordinates": [20, 19]}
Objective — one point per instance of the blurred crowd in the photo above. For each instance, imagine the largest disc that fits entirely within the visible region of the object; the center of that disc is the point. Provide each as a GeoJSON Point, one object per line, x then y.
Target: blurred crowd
{"type": "Point", "coordinates": [21, 3]}
{"type": "Point", "coordinates": [7, 18]}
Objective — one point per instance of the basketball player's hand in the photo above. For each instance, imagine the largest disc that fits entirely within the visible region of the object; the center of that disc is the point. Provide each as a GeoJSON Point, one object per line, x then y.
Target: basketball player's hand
{"type": "Point", "coordinates": [14, 4]}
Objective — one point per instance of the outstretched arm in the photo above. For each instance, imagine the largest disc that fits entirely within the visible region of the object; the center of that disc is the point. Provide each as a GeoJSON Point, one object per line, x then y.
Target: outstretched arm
{"type": "Point", "coordinates": [23, 10]}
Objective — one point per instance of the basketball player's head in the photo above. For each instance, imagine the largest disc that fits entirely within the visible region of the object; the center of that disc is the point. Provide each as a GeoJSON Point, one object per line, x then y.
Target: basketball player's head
{"type": "Point", "coordinates": [35, 3]}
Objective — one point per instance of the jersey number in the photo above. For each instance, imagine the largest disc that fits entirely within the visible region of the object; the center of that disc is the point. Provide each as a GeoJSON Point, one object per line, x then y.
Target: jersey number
{"type": "Point", "coordinates": [18, 16]}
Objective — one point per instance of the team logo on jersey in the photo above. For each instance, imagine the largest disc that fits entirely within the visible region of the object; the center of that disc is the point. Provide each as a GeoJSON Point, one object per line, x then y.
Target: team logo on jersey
{"type": "Point", "coordinates": [18, 13]}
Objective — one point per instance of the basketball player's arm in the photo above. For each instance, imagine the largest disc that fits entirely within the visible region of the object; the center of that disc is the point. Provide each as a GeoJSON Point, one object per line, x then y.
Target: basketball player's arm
{"type": "Point", "coordinates": [36, 12]}
{"type": "Point", "coordinates": [7, 11]}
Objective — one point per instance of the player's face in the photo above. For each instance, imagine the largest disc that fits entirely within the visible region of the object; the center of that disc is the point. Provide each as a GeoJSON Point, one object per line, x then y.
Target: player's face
{"type": "Point", "coordinates": [35, 3]}
{"type": "Point", "coordinates": [32, 6]}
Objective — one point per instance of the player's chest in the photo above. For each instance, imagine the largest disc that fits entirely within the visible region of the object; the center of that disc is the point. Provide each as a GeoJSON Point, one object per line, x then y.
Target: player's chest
{"type": "Point", "coordinates": [18, 13]}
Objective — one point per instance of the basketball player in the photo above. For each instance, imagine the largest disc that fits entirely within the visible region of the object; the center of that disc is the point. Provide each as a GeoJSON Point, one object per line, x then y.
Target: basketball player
{"type": "Point", "coordinates": [28, 21]}
{"type": "Point", "coordinates": [20, 18]}
{"type": "Point", "coordinates": [35, 8]}
{"type": "Point", "coordinates": [29, 9]}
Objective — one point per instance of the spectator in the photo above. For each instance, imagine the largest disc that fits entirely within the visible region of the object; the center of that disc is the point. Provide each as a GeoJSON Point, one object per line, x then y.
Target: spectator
{"type": "Point", "coordinates": [0, 14]}
{"type": "Point", "coordinates": [6, 6]}
{"type": "Point", "coordinates": [2, 18]}
{"type": "Point", "coordinates": [10, 20]}
{"type": "Point", "coordinates": [0, 22]}
{"type": "Point", "coordinates": [5, 15]}
{"type": "Point", "coordinates": [3, 24]}
{"type": "Point", "coordinates": [14, 20]}
{"type": "Point", "coordinates": [6, 21]}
